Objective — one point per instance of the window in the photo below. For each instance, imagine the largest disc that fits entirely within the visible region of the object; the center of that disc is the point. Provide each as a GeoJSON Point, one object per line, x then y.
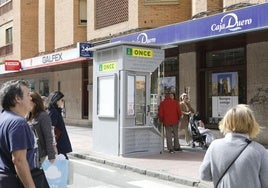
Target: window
{"type": "Point", "coordinates": [83, 11]}
{"type": "Point", "coordinates": [225, 57]}
{"type": "Point", "coordinates": [222, 83]}
{"type": "Point", "coordinates": [140, 100]}
{"type": "Point", "coordinates": [130, 95]}
{"type": "Point", "coordinates": [44, 87]}
{"type": "Point", "coordinates": [110, 12]}
{"type": "Point", "coordinates": [9, 37]}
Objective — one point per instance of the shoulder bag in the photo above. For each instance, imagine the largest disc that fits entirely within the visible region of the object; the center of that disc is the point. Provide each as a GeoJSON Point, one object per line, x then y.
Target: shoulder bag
{"type": "Point", "coordinates": [248, 142]}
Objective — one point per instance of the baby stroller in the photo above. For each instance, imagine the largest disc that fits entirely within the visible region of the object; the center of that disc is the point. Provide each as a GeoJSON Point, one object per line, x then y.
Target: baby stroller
{"type": "Point", "coordinates": [196, 135]}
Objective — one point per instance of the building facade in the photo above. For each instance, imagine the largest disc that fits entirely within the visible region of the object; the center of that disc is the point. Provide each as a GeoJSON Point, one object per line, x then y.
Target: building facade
{"type": "Point", "coordinates": [217, 70]}
{"type": "Point", "coordinates": [49, 42]}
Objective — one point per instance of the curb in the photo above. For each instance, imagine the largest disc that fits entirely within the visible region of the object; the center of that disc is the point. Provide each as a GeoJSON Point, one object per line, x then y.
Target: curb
{"type": "Point", "coordinates": [156, 174]}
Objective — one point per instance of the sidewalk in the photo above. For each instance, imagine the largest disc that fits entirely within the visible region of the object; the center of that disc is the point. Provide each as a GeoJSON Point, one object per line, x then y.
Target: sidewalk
{"type": "Point", "coordinates": [181, 167]}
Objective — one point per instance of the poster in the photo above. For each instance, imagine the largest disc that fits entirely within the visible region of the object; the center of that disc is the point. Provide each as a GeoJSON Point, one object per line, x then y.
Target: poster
{"type": "Point", "coordinates": [167, 85]}
{"type": "Point", "coordinates": [224, 92]}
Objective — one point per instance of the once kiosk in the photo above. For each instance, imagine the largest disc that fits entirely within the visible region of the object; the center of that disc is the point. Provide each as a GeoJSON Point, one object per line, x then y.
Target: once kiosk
{"type": "Point", "coordinates": [121, 99]}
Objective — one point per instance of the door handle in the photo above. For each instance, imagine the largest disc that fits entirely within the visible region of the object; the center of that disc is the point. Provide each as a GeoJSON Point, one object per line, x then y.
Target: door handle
{"type": "Point", "coordinates": [148, 109]}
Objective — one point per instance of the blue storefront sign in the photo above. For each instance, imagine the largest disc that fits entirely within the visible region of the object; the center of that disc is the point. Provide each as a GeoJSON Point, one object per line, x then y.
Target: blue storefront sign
{"type": "Point", "coordinates": [232, 22]}
{"type": "Point", "coordinates": [84, 49]}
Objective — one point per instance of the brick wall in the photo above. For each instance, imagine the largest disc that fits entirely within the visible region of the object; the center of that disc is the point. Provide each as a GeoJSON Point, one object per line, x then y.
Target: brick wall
{"type": "Point", "coordinates": [46, 25]}
{"type": "Point", "coordinates": [141, 15]}
{"type": "Point", "coordinates": [64, 26]}
{"type": "Point", "coordinates": [214, 5]}
{"type": "Point", "coordinates": [151, 16]}
{"type": "Point", "coordinates": [231, 2]}
{"type": "Point", "coordinates": [29, 28]}
{"type": "Point", "coordinates": [80, 31]}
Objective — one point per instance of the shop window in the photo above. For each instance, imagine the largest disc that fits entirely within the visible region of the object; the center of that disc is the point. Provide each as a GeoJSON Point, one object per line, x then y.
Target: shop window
{"type": "Point", "coordinates": [31, 84]}
{"type": "Point", "coordinates": [44, 87]}
{"type": "Point", "coordinates": [165, 78]}
{"type": "Point", "coordinates": [225, 83]}
{"type": "Point", "coordinates": [225, 57]}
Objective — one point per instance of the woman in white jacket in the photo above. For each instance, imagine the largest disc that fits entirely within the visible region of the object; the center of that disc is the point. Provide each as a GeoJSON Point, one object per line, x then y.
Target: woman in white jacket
{"type": "Point", "coordinates": [250, 169]}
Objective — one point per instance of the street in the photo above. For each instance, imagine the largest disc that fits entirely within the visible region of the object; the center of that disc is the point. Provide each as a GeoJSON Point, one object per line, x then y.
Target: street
{"type": "Point", "coordinates": [180, 167]}
{"type": "Point", "coordinates": [90, 174]}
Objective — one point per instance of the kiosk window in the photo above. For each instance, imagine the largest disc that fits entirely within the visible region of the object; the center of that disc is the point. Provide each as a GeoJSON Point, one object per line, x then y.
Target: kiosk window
{"type": "Point", "coordinates": [106, 96]}
{"type": "Point", "coordinates": [140, 107]}
{"type": "Point", "coordinates": [130, 95]}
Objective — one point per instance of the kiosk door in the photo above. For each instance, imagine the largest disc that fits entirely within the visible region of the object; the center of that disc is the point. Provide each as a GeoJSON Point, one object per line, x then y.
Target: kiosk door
{"type": "Point", "coordinates": [135, 98]}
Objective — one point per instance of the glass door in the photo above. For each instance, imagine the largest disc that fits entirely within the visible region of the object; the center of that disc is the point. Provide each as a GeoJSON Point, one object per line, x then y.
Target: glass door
{"type": "Point", "coordinates": [138, 98]}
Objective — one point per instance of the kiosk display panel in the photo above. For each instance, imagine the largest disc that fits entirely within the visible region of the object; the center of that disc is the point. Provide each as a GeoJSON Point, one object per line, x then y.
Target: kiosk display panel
{"type": "Point", "coordinates": [106, 99]}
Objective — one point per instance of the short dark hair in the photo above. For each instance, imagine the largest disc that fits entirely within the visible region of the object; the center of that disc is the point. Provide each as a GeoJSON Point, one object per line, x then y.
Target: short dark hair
{"type": "Point", "coordinates": [9, 91]}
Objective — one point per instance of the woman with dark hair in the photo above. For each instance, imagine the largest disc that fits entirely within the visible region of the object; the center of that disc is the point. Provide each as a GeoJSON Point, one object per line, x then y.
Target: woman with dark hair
{"type": "Point", "coordinates": [40, 122]}
{"type": "Point", "coordinates": [55, 103]}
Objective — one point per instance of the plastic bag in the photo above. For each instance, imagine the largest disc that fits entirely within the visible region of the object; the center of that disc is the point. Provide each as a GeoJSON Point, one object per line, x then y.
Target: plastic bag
{"type": "Point", "coordinates": [57, 173]}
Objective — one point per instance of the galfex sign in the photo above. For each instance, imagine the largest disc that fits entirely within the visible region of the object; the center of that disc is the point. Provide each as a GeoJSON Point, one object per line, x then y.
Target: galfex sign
{"type": "Point", "coordinates": [136, 52]}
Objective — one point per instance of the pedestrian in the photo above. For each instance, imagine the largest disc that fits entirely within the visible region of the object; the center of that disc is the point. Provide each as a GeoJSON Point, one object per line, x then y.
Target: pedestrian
{"type": "Point", "coordinates": [18, 151]}
{"type": "Point", "coordinates": [169, 114]}
{"type": "Point", "coordinates": [40, 122]}
{"type": "Point", "coordinates": [236, 160]}
{"type": "Point", "coordinates": [55, 105]}
{"type": "Point", "coordinates": [186, 110]}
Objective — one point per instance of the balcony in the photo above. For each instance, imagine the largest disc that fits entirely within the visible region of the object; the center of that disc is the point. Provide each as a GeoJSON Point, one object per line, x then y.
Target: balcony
{"type": "Point", "coordinates": [5, 8]}
{"type": "Point", "coordinates": [5, 50]}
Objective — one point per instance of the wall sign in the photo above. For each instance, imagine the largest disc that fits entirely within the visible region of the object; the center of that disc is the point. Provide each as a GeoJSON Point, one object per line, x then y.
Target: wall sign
{"type": "Point", "coordinates": [12, 65]}
{"type": "Point", "coordinates": [232, 22]}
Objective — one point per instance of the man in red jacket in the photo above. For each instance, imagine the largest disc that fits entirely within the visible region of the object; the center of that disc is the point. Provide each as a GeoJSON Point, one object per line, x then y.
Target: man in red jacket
{"type": "Point", "coordinates": [169, 113]}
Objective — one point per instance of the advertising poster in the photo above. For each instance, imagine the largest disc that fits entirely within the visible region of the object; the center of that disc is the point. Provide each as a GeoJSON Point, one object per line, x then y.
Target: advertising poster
{"type": "Point", "coordinates": [167, 85]}
{"type": "Point", "coordinates": [224, 92]}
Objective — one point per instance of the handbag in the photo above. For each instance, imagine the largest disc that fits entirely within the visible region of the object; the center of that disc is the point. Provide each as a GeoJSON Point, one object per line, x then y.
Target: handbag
{"type": "Point", "coordinates": [39, 178]}
{"type": "Point", "coordinates": [248, 142]}
{"type": "Point", "coordinates": [57, 133]}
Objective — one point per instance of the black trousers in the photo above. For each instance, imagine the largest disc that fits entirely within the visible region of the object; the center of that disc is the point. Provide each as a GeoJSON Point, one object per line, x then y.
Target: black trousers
{"type": "Point", "coordinates": [9, 181]}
